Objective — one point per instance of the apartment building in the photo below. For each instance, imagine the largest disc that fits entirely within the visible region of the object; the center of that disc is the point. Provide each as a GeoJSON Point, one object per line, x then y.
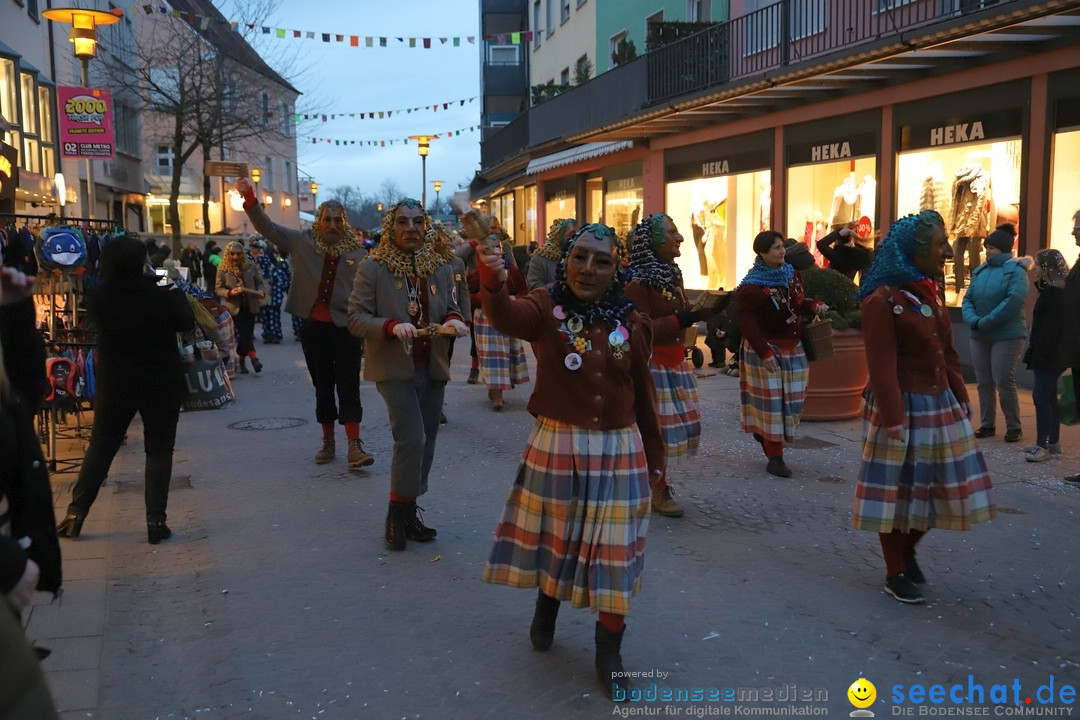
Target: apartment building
{"type": "Point", "coordinates": [798, 115]}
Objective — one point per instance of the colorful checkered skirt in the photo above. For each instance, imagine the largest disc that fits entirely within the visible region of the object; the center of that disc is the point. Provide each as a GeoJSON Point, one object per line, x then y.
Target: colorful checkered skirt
{"type": "Point", "coordinates": [502, 358]}
{"type": "Point", "coordinates": [677, 408]}
{"type": "Point", "coordinates": [772, 403]}
{"type": "Point", "coordinates": [576, 517]}
{"type": "Point", "coordinates": [934, 478]}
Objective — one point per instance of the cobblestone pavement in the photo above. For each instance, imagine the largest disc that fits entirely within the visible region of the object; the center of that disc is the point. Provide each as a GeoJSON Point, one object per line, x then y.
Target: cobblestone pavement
{"type": "Point", "coordinates": [276, 599]}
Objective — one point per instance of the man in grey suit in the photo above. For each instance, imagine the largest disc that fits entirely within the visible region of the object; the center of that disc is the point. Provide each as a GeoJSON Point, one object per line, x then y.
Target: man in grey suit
{"type": "Point", "coordinates": [324, 261]}
{"type": "Point", "coordinates": [404, 304]}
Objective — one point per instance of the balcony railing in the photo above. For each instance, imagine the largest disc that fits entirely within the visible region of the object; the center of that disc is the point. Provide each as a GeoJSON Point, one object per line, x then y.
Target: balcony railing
{"type": "Point", "coordinates": [607, 97]}
{"type": "Point", "coordinates": [505, 142]}
{"type": "Point", "coordinates": [788, 33]}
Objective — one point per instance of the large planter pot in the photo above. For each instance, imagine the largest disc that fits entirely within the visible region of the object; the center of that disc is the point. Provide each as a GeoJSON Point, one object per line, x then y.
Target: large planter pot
{"type": "Point", "coordinates": [834, 390]}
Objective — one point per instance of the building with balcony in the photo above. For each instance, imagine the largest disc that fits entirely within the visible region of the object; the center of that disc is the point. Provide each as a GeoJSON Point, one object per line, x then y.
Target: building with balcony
{"type": "Point", "coordinates": [249, 107]}
{"type": "Point", "coordinates": [799, 115]}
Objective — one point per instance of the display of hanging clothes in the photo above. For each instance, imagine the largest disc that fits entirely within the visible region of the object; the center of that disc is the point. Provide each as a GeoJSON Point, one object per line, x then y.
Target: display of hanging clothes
{"type": "Point", "coordinates": [845, 204]}
{"type": "Point", "coordinates": [969, 219]}
{"type": "Point", "coordinates": [867, 198]}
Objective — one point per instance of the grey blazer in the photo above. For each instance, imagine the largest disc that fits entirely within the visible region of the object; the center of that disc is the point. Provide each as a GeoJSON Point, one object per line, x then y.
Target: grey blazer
{"type": "Point", "coordinates": [307, 264]}
{"type": "Point", "coordinates": [377, 297]}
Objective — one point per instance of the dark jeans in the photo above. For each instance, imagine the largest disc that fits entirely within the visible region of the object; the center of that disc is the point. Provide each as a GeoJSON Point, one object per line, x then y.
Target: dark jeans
{"type": "Point", "coordinates": [973, 246]}
{"type": "Point", "coordinates": [333, 358]}
{"type": "Point", "coordinates": [1044, 395]}
{"type": "Point", "coordinates": [245, 331]}
{"type": "Point", "coordinates": [112, 416]}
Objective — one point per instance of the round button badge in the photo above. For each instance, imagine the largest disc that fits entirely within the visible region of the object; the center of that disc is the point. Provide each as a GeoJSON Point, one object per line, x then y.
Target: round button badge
{"type": "Point", "coordinates": [572, 361]}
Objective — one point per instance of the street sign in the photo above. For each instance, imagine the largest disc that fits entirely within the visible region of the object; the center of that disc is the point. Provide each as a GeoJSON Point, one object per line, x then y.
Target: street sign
{"type": "Point", "coordinates": [225, 169]}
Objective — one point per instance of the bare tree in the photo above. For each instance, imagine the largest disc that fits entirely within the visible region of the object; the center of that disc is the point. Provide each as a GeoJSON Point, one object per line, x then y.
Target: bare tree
{"type": "Point", "coordinates": [390, 193]}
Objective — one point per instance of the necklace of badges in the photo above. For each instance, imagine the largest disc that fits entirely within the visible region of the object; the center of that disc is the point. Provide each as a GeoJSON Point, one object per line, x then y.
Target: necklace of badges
{"type": "Point", "coordinates": [574, 328]}
{"type": "Point", "coordinates": [917, 305]}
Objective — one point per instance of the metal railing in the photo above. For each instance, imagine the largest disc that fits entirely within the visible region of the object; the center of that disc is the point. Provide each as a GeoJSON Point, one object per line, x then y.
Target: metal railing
{"type": "Point", "coordinates": [788, 33]}
{"type": "Point", "coordinates": [505, 142]}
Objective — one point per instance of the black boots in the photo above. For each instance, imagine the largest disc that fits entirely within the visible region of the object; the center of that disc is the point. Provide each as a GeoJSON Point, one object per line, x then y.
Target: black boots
{"type": "Point", "coordinates": [415, 529]}
{"type": "Point", "coordinates": [395, 525]}
{"type": "Point", "coordinates": [542, 630]}
{"type": "Point", "coordinates": [241, 365]}
{"type": "Point", "coordinates": [157, 531]}
{"type": "Point", "coordinates": [70, 526]}
{"type": "Point", "coordinates": [609, 669]}
{"type": "Point", "coordinates": [255, 364]}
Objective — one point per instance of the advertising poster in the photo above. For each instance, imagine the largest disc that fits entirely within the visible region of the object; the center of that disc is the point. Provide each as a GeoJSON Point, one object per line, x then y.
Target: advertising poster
{"type": "Point", "coordinates": [86, 123]}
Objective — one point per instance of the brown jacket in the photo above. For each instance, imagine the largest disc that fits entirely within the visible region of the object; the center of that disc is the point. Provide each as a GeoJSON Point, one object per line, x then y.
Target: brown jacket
{"type": "Point", "coordinates": [253, 280]}
{"type": "Point", "coordinates": [606, 392]}
{"type": "Point", "coordinates": [907, 351]}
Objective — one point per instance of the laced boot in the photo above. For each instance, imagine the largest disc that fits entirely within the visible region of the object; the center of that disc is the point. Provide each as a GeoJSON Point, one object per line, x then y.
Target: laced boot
{"type": "Point", "coordinates": [256, 365]}
{"type": "Point", "coordinates": [664, 503]}
{"type": "Point", "coordinates": [609, 667]}
{"type": "Point", "coordinates": [415, 529]}
{"type": "Point", "coordinates": [542, 630]}
{"type": "Point", "coordinates": [396, 517]}
{"type": "Point", "coordinates": [358, 456]}
{"type": "Point", "coordinates": [326, 453]}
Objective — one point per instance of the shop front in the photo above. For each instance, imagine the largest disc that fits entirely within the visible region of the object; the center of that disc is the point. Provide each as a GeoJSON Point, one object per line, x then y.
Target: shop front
{"type": "Point", "coordinates": [961, 155]}
{"type": "Point", "coordinates": [1065, 161]}
{"type": "Point", "coordinates": [719, 195]}
{"type": "Point", "coordinates": [560, 198]}
{"type": "Point", "coordinates": [832, 169]}
{"type": "Point", "coordinates": [623, 196]}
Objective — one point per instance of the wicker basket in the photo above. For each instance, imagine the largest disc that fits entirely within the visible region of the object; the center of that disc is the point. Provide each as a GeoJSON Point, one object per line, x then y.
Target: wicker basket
{"type": "Point", "coordinates": [817, 339]}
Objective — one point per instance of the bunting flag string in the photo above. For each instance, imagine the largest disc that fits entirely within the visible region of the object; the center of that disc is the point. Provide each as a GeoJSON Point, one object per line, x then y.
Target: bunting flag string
{"type": "Point", "coordinates": [357, 41]}
{"type": "Point", "coordinates": [380, 114]}
{"type": "Point", "coordinates": [391, 142]}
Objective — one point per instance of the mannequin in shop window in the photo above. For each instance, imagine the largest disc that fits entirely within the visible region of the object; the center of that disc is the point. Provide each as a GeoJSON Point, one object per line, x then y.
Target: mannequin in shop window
{"type": "Point", "coordinates": [845, 204]}
{"type": "Point", "coordinates": [969, 219]}
{"type": "Point", "coordinates": [714, 221]}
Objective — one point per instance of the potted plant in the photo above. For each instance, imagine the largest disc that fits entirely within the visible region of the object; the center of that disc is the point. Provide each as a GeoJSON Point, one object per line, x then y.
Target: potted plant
{"type": "Point", "coordinates": [834, 389]}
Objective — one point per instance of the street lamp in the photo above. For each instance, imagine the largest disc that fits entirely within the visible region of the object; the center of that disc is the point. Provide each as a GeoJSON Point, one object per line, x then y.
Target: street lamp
{"type": "Point", "coordinates": [438, 187]}
{"type": "Point", "coordinates": [256, 176]}
{"type": "Point", "coordinates": [83, 34]}
{"type": "Point", "coordinates": [314, 197]}
{"type": "Point", "coordinates": [423, 142]}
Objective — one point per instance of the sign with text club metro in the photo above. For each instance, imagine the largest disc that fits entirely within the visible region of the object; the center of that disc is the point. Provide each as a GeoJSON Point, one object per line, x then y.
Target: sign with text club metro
{"type": "Point", "coordinates": [86, 123]}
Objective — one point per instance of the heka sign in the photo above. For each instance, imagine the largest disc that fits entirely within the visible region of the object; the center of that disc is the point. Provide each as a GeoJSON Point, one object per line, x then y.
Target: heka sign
{"type": "Point", "coordinates": [831, 151]}
{"type": "Point", "coordinates": [961, 133]}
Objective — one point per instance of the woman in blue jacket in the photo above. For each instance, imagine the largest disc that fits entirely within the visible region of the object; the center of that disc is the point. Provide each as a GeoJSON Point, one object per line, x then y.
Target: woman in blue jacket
{"type": "Point", "coordinates": [993, 310]}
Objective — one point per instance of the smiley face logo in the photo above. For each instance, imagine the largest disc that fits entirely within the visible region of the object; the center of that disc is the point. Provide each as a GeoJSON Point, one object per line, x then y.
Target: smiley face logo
{"type": "Point", "coordinates": [862, 693]}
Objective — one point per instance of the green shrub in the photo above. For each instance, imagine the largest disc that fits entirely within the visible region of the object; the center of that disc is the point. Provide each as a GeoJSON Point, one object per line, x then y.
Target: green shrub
{"type": "Point", "coordinates": [838, 292]}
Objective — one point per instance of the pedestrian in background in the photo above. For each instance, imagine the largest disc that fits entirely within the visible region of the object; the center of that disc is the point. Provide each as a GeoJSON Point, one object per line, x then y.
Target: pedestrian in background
{"type": "Point", "coordinates": [324, 261]}
{"type": "Point", "coordinates": [576, 517]}
{"type": "Point", "coordinates": [138, 371]}
{"type": "Point", "coordinates": [402, 290]}
{"type": "Point", "coordinates": [656, 288]}
{"type": "Point", "coordinates": [545, 260]}
{"type": "Point", "coordinates": [1045, 355]}
{"type": "Point", "coordinates": [240, 285]}
{"type": "Point", "coordinates": [845, 252]}
{"type": "Point", "coordinates": [993, 309]}
{"type": "Point", "coordinates": [921, 467]}
{"type": "Point", "coordinates": [773, 366]}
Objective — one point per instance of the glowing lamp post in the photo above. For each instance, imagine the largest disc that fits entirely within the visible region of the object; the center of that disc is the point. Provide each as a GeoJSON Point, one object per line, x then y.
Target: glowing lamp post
{"type": "Point", "coordinates": [314, 197]}
{"type": "Point", "coordinates": [438, 187]}
{"type": "Point", "coordinates": [256, 176]}
{"type": "Point", "coordinates": [83, 34]}
{"type": "Point", "coordinates": [423, 143]}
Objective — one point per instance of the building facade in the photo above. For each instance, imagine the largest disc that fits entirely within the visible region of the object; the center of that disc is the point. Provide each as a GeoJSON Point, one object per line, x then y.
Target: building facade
{"type": "Point", "coordinates": [800, 115]}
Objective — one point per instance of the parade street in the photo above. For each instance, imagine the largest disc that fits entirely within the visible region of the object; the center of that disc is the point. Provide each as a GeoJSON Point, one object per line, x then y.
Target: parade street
{"type": "Point", "coordinates": [276, 597]}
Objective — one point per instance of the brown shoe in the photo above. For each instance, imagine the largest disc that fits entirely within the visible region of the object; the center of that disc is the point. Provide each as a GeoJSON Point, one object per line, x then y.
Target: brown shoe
{"type": "Point", "coordinates": [664, 503]}
{"type": "Point", "coordinates": [358, 457]}
{"type": "Point", "coordinates": [496, 398]}
{"type": "Point", "coordinates": [327, 451]}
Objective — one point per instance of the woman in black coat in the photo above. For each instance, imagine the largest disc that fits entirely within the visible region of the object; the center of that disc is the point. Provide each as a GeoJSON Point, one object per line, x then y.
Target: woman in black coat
{"type": "Point", "coordinates": [1046, 354]}
{"type": "Point", "coordinates": [139, 371]}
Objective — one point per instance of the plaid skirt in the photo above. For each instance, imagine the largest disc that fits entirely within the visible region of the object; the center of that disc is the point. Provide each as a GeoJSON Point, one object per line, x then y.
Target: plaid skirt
{"type": "Point", "coordinates": [576, 517]}
{"type": "Point", "coordinates": [771, 403]}
{"type": "Point", "coordinates": [677, 408]}
{"type": "Point", "coordinates": [934, 478]}
{"type": "Point", "coordinates": [502, 358]}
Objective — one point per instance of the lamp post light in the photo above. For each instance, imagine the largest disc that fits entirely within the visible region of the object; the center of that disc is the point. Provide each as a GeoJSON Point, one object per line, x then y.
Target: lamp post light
{"type": "Point", "coordinates": [438, 187]}
{"type": "Point", "coordinates": [314, 197]}
{"type": "Point", "coordinates": [423, 142]}
{"type": "Point", "coordinates": [256, 176]}
{"type": "Point", "coordinates": [84, 24]}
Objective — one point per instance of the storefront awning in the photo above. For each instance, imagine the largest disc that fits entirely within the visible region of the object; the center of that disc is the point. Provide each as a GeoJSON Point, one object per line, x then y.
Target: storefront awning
{"type": "Point", "coordinates": [576, 154]}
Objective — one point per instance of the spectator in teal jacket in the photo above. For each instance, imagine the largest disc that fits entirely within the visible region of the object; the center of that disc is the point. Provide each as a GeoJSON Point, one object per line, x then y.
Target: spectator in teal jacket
{"type": "Point", "coordinates": [993, 309]}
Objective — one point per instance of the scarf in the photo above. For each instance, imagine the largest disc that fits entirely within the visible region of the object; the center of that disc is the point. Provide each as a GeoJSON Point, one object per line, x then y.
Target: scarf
{"type": "Point", "coordinates": [422, 263]}
{"type": "Point", "coordinates": [893, 264]}
{"type": "Point", "coordinates": [556, 239]}
{"type": "Point", "coordinates": [762, 274]}
{"type": "Point", "coordinates": [348, 242]}
{"type": "Point", "coordinates": [645, 266]}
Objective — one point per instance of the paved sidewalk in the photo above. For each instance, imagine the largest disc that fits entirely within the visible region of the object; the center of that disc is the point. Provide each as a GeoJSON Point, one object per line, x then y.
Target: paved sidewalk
{"type": "Point", "coordinates": [276, 599]}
